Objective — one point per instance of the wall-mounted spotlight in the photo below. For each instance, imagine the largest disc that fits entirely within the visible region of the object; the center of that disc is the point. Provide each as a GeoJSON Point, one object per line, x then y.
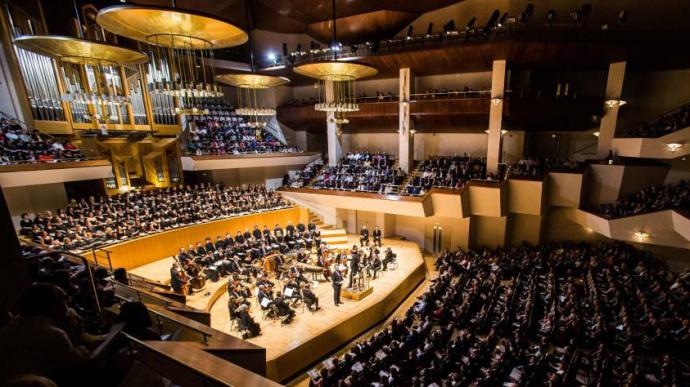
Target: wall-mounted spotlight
{"type": "Point", "coordinates": [615, 103]}
{"type": "Point", "coordinates": [496, 101]}
{"type": "Point", "coordinates": [596, 134]}
{"type": "Point", "coordinates": [641, 235]}
{"type": "Point", "coordinates": [674, 146]}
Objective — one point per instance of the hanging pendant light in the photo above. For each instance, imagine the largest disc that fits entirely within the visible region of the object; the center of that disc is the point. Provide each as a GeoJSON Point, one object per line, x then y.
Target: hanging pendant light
{"type": "Point", "coordinates": [255, 94]}
{"type": "Point", "coordinates": [180, 47]}
{"type": "Point", "coordinates": [336, 80]}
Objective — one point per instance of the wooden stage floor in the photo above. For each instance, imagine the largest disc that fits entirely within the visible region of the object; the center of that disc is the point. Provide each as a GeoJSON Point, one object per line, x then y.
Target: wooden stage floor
{"type": "Point", "coordinates": [311, 336]}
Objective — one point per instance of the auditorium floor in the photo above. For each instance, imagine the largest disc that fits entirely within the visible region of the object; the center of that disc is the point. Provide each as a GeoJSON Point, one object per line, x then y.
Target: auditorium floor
{"type": "Point", "coordinates": [279, 339]}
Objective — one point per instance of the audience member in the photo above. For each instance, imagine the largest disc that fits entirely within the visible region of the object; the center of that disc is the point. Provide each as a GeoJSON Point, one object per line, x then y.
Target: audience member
{"type": "Point", "coordinates": [20, 145]}
{"type": "Point", "coordinates": [565, 314]}
{"type": "Point", "coordinates": [650, 199]}
{"type": "Point", "coordinates": [667, 123]}
{"type": "Point", "coordinates": [362, 171]}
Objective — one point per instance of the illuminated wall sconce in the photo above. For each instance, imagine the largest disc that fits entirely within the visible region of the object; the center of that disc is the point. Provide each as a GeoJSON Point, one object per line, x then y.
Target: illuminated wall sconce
{"type": "Point", "coordinates": [503, 131]}
{"type": "Point", "coordinates": [413, 131]}
{"type": "Point", "coordinates": [589, 230]}
{"type": "Point", "coordinates": [496, 101]}
{"type": "Point", "coordinates": [596, 134]}
{"type": "Point", "coordinates": [615, 103]}
{"type": "Point", "coordinates": [674, 146]}
{"type": "Point", "coordinates": [641, 235]}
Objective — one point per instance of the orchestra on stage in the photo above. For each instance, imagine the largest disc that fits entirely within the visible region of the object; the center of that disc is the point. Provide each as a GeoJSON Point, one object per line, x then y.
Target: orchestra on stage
{"type": "Point", "coordinates": [278, 269]}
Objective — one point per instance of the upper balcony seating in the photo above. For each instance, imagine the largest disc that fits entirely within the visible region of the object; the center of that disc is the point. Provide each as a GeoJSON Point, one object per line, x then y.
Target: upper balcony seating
{"type": "Point", "coordinates": [362, 171]}
{"type": "Point", "coordinates": [303, 177]}
{"type": "Point", "coordinates": [650, 199]}
{"type": "Point", "coordinates": [19, 144]}
{"type": "Point", "coordinates": [666, 124]}
{"type": "Point", "coordinates": [221, 132]}
{"type": "Point", "coordinates": [536, 167]}
{"type": "Point", "coordinates": [445, 172]}
{"type": "Point", "coordinates": [565, 314]}
{"type": "Point", "coordinates": [98, 222]}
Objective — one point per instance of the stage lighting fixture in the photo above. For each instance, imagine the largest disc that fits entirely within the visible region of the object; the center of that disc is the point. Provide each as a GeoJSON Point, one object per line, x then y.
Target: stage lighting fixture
{"type": "Point", "coordinates": [493, 20]}
{"type": "Point", "coordinates": [429, 29]}
{"type": "Point", "coordinates": [502, 22]}
{"type": "Point", "coordinates": [450, 26]}
{"type": "Point", "coordinates": [527, 13]}
{"type": "Point", "coordinates": [409, 32]}
{"type": "Point", "coordinates": [471, 23]}
{"type": "Point", "coordinates": [550, 16]}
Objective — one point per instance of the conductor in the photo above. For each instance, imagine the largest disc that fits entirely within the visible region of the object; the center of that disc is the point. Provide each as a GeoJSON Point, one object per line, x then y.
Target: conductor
{"type": "Point", "coordinates": [363, 236]}
{"type": "Point", "coordinates": [337, 278]}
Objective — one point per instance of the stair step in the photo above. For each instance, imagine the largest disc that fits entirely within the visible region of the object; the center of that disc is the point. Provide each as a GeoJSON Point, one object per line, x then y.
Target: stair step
{"type": "Point", "coordinates": [336, 241]}
{"type": "Point", "coordinates": [336, 232]}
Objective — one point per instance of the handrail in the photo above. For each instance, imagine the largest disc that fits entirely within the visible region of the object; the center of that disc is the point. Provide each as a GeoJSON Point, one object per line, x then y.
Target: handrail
{"type": "Point", "coordinates": [138, 293]}
{"type": "Point", "coordinates": [107, 257]}
{"type": "Point", "coordinates": [205, 335]}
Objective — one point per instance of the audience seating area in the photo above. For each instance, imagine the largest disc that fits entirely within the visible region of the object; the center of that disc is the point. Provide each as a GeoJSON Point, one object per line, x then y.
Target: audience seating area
{"type": "Point", "coordinates": [222, 132]}
{"type": "Point", "coordinates": [537, 167]}
{"type": "Point", "coordinates": [566, 314]}
{"type": "Point", "coordinates": [362, 171]}
{"type": "Point", "coordinates": [650, 199]}
{"type": "Point", "coordinates": [667, 123]}
{"type": "Point", "coordinates": [303, 177]}
{"type": "Point", "coordinates": [18, 144]}
{"type": "Point", "coordinates": [96, 222]}
{"type": "Point", "coordinates": [445, 172]}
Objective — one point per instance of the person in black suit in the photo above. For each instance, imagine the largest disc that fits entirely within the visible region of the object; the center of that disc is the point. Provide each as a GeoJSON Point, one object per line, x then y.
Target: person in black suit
{"type": "Point", "coordinates": [377, 236]}
{"type": "Point", "coordinates": [364, 236]}
{"type": "Point", "coordinates": [309, 297]}
{"type": "Point", "coordinates": [354, 266]}
{"type": "Point", "coordinates": [337, 278]}
{"type": "Point", "coordinates": [284, 310]}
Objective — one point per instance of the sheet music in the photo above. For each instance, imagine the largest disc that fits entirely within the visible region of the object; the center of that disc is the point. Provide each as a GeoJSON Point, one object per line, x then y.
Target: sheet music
{"type": "Point", "coordinates": [265, 302]}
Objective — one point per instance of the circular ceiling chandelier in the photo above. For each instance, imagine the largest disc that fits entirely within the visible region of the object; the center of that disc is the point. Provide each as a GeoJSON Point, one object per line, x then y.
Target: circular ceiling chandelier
{"type": "Point", "coordinates": [89, 69]}
{"type": "Point", "coordinates": [336, 80]}
{"type": "Point", "coordinates": [180, 47]}
{"type": "Point", "coordinates": [255, 95]}
{"type": "Point", "coordinates": [336, 83]}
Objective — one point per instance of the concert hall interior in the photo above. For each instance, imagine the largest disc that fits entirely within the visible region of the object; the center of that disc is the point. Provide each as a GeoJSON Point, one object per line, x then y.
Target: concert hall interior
{"type": "Point", "coordinates": [438, 193]}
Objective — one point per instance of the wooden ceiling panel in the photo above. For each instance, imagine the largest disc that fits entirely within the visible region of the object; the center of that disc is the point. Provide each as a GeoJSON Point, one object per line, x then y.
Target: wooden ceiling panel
{"type": "Point", "coordinates": [363, 26]}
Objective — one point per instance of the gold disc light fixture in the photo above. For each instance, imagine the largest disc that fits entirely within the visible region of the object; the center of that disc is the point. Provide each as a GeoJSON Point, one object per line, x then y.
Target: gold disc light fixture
{"type": "Point", "coordinates": [89, 69]}
{"type": "Point", "coordinates": [255, 94]}
{"type": "Point", "coordinates": [180, 46]}
{"type": "Point", "coordinates": [336, 80]}
{"type": "Point", "coordinates": [337, 87]}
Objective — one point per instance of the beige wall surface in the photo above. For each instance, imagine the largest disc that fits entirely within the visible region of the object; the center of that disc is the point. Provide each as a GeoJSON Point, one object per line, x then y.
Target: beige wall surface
{"type": "Point", "coordinates": [525, 196]}
{"type": "Point", "coordinates": [34, 199]}
{"type": "Point", "coordinates": [523, 228]}
{"type": "Point", "coordinates": [564, 189]}
{"type": "Point", "coordinates": [487, 231]}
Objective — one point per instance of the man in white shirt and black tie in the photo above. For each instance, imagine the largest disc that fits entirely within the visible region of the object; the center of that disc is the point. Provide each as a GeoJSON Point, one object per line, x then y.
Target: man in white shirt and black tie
{"type": "Point", "coordinates": [337, 278]}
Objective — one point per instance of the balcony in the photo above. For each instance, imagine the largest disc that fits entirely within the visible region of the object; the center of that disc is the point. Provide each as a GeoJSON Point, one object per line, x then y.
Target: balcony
{"type": "Point", "coordinates": [21, 175]}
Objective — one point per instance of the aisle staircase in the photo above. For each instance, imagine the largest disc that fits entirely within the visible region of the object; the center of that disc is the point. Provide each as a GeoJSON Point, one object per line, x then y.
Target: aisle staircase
{"type": "Point", "coordinates": [335, 238]}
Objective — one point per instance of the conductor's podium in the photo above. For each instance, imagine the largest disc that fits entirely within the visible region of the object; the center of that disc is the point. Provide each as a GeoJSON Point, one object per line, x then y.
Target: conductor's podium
{"type": "Point", "coordinates": [356, 293]}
